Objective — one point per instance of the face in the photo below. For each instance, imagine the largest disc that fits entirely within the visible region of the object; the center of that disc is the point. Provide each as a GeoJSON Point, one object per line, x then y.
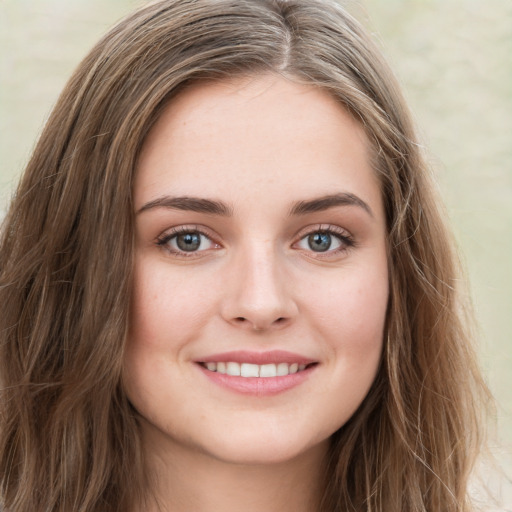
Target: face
{"type": "Point", "coordinates": [261, 278]}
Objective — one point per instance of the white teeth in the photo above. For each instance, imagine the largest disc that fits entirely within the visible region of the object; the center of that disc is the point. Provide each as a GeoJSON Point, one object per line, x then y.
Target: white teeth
{"type": "Point", "coordinates": [233, 369]}
{"type": "Point", "coordinates": [283, 369]}
{"type": "Point", "coordinates": [268, 370]}
{"type": "Point", "coordinates": [249, 370]}
{"type": "Point", "coordinates": [255, 370]}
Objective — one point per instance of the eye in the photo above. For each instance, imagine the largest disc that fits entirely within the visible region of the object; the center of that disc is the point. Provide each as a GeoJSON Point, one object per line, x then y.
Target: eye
{"type": "Point", "coordinates": [321, 242]}
{"type": "Point", "coordinates": [186, 241]}
{"type": "Point", "coordinates": [325, 240]}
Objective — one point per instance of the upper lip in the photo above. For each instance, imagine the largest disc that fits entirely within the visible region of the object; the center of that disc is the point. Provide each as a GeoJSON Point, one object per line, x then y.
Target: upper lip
{"type": "Point", "coordinates": [245, 356]}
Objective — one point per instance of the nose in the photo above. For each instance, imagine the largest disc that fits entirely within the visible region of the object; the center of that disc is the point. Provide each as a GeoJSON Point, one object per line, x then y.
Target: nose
{"type": "Point", "coordinates": [258, 294]}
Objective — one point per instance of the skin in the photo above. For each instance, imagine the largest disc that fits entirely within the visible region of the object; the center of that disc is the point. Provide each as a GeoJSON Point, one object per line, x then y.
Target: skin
{"type": "Point", "coordinates": [259, 146]}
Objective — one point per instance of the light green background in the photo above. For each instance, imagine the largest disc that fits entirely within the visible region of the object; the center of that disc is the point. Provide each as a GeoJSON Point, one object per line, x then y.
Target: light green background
{"type": "Point", "coordinates": [454, 58]}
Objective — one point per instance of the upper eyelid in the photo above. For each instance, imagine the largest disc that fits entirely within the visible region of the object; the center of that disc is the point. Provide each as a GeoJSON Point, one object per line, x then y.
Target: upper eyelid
{"type": "Point", "coordinates": [328, 228]}
{"type": "Point", "coordinates": [193, 228]}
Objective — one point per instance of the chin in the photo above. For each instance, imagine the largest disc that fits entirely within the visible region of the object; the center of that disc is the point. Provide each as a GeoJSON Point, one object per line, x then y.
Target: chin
{"type": "Point", "coordinates": [262, 449]}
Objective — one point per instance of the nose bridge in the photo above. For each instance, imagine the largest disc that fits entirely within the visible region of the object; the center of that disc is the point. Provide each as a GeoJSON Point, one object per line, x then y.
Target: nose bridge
{"type": "Point", "coordinates": [258, 294]}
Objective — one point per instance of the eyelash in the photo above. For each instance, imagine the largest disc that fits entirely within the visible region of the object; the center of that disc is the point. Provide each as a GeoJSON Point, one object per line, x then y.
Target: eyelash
{"type": "Point", "coordinates": [346, 240]}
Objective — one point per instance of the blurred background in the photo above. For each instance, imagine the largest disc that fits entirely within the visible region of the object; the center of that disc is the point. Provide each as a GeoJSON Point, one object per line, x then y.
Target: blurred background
{"type": "Point", "coordinates": [454, 60]}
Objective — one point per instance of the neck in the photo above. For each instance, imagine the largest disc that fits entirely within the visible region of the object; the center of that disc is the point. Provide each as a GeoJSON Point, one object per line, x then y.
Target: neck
{"type": "Point", "coordinates": [184, 480]}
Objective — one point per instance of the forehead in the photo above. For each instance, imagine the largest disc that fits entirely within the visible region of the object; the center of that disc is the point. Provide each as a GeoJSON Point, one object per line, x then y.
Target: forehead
{"type": "Point", "coordinates": [255, 131]}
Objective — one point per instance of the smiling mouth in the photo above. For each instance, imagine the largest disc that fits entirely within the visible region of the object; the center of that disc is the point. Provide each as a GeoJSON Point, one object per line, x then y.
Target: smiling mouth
{"type": "Point", "coordinates": [255, 370]}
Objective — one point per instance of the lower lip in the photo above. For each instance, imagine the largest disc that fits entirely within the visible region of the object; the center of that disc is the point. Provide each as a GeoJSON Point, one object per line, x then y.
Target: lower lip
{"type": "Point", "coordinates": [258, 386]}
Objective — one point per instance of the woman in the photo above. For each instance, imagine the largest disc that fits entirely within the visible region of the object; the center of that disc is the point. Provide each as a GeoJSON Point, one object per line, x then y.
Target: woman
{"type": "Point", "coordinates": [226, 282]}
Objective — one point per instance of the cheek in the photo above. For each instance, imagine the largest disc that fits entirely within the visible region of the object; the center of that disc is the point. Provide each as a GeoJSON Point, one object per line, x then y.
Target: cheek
{"type": "Point", "coordinates": [364, 313]}
{"type": "Point", "coordinates": [348, 315]}
{"type": "Point", "coordinates": [164, 316]}
{"type": "Point", "coordinates": [352, 308]}
{"type": "Point", "coordinates": [167, 305]}
{"type": "Point", "coordinates": [351, 325]}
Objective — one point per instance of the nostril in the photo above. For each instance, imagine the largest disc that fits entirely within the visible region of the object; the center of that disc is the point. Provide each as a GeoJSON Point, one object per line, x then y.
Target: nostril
{"type": "Point", "coordinates": [259, 326]}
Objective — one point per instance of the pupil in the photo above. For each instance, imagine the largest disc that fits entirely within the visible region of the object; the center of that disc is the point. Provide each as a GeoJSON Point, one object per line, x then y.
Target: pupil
{"type": "Point", "coordinates": [319, 242]}
{"type": "Point", "coordinates": [189, 241]}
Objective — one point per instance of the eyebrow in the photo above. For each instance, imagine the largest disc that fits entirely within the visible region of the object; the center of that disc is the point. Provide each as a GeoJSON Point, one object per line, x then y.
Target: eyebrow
{"type": "Point", "coordinates": [192, 204]}
{"type": "Point", "coordinates": [213, 207]}
{"type": "Point", "coordinates": [329, 201]}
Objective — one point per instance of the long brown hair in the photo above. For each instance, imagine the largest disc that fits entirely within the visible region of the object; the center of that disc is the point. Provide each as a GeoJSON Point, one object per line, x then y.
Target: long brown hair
{"type": "Point", "coordinates": [69, 438]}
